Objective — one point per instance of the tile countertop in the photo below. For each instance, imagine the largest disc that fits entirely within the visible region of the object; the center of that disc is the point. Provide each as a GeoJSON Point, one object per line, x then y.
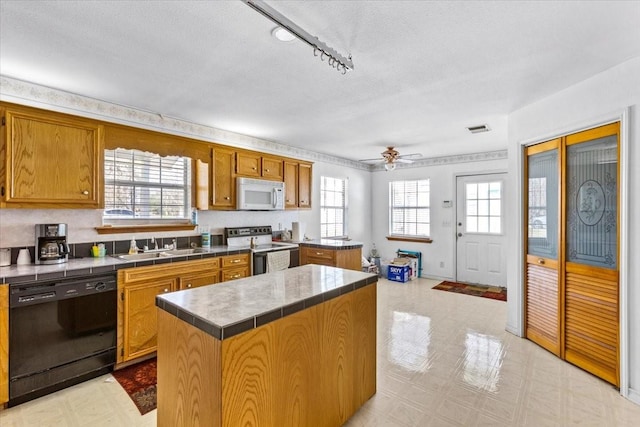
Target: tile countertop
{"type": "Point", "coordinates": [87, 266]}
{"type": "Point", "coordinates": [230, 308]}
{"type": "Point", "coordinates": [332, 244]}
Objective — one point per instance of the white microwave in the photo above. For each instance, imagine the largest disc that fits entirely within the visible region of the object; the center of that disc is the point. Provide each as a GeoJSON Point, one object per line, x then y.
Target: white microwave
{"type": "Point", "coordinates": [259, 195]}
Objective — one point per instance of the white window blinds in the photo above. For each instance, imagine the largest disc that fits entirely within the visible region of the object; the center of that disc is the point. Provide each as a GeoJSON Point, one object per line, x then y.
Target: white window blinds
{"type": "Point", "coordinates": [333, 207]}
{"type": "Point", "coordinates": [409, 208]}
{"type": "Point", "coordinates": [145, 185]}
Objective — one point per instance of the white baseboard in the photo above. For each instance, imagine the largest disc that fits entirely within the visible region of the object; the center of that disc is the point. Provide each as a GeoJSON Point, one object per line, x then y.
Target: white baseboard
{"type": "Point", "coordinates": [513, 330]}
{"type": "Point", "coordinates": [634, 396]}
{"type": "Point", "coordinates": [425, 276]}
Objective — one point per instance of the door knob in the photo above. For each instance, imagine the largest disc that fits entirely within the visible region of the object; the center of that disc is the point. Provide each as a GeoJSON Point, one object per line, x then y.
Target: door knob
{"type": "Point", "coordinates": [459, 234]}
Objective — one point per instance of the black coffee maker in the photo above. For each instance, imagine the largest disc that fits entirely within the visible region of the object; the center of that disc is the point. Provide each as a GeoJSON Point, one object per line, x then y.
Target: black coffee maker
{"type": "Point", "coordinates": [51, 243]}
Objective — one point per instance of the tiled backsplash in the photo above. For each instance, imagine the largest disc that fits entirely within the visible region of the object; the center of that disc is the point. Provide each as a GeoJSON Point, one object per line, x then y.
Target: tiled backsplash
{"type": "Point", "coordinates": [83, 250]}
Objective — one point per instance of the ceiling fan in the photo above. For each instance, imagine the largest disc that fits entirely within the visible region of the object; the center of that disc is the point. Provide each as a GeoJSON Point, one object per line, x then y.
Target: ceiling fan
{"type": "Point", "coordinates": [391, 156]}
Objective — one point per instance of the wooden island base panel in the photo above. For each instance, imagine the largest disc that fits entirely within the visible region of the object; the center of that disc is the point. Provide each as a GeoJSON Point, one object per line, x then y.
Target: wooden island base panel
{"type": "Point", "coordinates": [289, 348]}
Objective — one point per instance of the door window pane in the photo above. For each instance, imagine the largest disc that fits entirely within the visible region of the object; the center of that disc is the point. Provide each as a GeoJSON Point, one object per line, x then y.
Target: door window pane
{"type": "Point", "coordinates": [543, 204]}
{"type": "Point", "coordinates": [592, 187]}
{"type": "Point", "coordinates": [483, 208]}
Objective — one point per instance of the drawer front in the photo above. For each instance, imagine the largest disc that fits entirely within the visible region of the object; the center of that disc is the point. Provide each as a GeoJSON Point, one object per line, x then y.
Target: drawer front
{"type": "Point", "coordinates": [137, 274]}
{"type": "Point", "coordinates": [190, 281]}
{"type": "Point", "coordinates": [236, 273]}
{"type": "Point", "coordinates": [316, 253]}
{"type": "Point", "coordinates": [232, 261]}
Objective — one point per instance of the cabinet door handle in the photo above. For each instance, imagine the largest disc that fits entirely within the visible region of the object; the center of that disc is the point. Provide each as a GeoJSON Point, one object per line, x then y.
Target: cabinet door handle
{"type": "Point", "coordinates": [188, 285]}
{"type": "Point", "coordinates": [235, 260]}
{"type": "Point", "coordinates": [319, 253]}
{"type": "Point", "coordinates": [254, 168]}
{"type": "Point", "coordinates": [267, 170]}
{"type": "Point", "coordinates": [85, 192]}
{"type": "Point", "coordinates": [166, 290]}
{"type": "Point", "coordinates": [235, 276]}
{"type": "Point", "coordinates": [540, 261]}
{"type": "Point", "coordinates": [227, 198]}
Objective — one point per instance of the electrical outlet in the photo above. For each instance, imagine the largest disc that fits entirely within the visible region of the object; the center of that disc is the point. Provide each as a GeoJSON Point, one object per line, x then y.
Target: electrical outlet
{"type": "Point", "coordinates": [441, 264]}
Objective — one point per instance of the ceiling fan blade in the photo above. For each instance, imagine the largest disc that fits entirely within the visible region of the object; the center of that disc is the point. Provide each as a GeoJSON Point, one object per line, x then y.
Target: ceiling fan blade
{"type": "Point", "coordinates": [403, 161]}
{"type": "Point", "coordinates": [379, 159]}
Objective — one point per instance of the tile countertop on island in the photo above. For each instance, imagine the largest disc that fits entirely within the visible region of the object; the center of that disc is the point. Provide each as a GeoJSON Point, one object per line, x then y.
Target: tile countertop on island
{"type": "Point", "coordinates": [88, 266]}
{"type": "Point", "coordinates": [228, 309]}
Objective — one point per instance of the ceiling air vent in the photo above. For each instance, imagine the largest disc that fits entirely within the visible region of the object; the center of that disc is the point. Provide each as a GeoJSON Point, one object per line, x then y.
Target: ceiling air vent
{"type": "Point", "coordinates": [478, 129]}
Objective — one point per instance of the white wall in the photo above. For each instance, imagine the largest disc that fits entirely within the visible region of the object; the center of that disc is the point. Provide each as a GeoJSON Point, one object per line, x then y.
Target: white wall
{"type": "Point", "coordinates": [598, 99]}
{"type": "Point", "coordinates": [442, 187]}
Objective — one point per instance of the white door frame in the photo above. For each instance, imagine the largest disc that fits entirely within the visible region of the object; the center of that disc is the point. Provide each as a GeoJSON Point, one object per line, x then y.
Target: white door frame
{"type": "Point", "coordinates": [455, 198]}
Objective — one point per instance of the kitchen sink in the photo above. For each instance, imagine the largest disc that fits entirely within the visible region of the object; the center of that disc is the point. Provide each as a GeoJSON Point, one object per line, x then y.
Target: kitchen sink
{"type": "Point", "coordinates": [159, 254]}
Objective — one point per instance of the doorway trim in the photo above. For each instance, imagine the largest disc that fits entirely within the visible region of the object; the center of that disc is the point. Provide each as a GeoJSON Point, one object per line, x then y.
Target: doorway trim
{"type": "Point", "coordinates": [454, 229]}
{"type": "Point", "coordinates": [621, 116]}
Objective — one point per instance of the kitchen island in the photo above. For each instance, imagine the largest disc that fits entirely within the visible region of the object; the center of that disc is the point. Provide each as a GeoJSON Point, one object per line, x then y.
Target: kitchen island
{"type": "Point", "coordinates": [289, 348]}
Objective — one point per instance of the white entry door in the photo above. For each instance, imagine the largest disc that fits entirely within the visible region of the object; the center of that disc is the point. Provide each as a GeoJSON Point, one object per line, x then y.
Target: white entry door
{"type": "Point", "coordinates": [480, 230]}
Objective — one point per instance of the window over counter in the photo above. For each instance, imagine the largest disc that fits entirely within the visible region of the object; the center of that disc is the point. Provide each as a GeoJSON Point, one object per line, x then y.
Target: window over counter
{"type": "Point", "coordinates": [409, 210]}
{"type": "Point", "coordinates": [333, 207]}
{"type": "Point", "coordinates": [146, 186]}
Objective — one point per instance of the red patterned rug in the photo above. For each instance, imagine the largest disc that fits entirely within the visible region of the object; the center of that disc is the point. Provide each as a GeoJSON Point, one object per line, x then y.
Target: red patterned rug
{"type": "Point", "coordinates": [493, 292]}
{"type": "Point", "coordinates": [139, 381]}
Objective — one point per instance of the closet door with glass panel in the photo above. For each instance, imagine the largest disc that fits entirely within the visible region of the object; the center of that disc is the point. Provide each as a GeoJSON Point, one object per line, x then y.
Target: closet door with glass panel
{"type": "Point", "coordinates": [542, 275]}
{"type": "Point", "coordinates": [591, 252]}
{"type": "Point", "coordinates": [571, 276]}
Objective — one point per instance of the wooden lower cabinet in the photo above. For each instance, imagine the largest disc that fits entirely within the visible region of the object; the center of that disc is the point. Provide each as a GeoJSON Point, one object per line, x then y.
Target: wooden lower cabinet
{"type": "Point", "coordinates": [138, 288]}
{"type": "Point", "coordinates": [342, 258]}
{"type": "Point", "coordinates": [140, 320]}
{"type": "Point", "coordinates": [235, 267]}
{"type": "Point", "coordinates": [4, 344]}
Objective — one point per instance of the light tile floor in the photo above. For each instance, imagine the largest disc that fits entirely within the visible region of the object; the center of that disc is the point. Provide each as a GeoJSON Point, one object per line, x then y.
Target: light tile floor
{"type": "Point", "coordinates": [443, 360]}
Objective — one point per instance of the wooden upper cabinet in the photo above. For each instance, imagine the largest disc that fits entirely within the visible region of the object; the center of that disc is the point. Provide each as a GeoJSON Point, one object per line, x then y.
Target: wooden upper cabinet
{"type": "Point", "coordinates": [254, 165]}
{"type": "Point", "coordinates": [304, 185]}
{"type": "Point", "coordinates": [290, 185]}
{"type": "Point", "coordinates": [272, 168]}
{"type": "Point", "coordinates": [223, 186]}
{"type": "Point", "coordinates": [51, 160]}
{"type": "Point", "coordinates": [249, 164]}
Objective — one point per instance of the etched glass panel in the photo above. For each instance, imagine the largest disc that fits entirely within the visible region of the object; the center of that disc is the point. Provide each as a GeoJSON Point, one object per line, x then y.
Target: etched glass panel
{"type": "Point", "coordinates": [543, 204]}
{"type": "Point", "coordinates": [592, 190]}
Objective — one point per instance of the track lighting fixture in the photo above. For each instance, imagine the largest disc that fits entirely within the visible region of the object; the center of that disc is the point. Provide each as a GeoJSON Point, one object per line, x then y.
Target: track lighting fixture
{"type": "Point", "coordinates": [326, 53]}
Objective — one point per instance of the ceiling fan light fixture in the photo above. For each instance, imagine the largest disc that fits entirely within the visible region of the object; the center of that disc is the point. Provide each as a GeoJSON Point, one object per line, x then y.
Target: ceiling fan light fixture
{"type": "Point", "coordinates": [389, 166]}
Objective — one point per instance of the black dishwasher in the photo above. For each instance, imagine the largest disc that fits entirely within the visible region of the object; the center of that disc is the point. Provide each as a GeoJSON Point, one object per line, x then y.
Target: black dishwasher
{"type": "Point", "coordinates": [61, 333]}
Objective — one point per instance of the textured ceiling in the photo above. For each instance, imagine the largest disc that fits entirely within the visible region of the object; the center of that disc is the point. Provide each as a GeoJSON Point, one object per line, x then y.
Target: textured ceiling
{"type": "Point", "coordinates": [424, 70]}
